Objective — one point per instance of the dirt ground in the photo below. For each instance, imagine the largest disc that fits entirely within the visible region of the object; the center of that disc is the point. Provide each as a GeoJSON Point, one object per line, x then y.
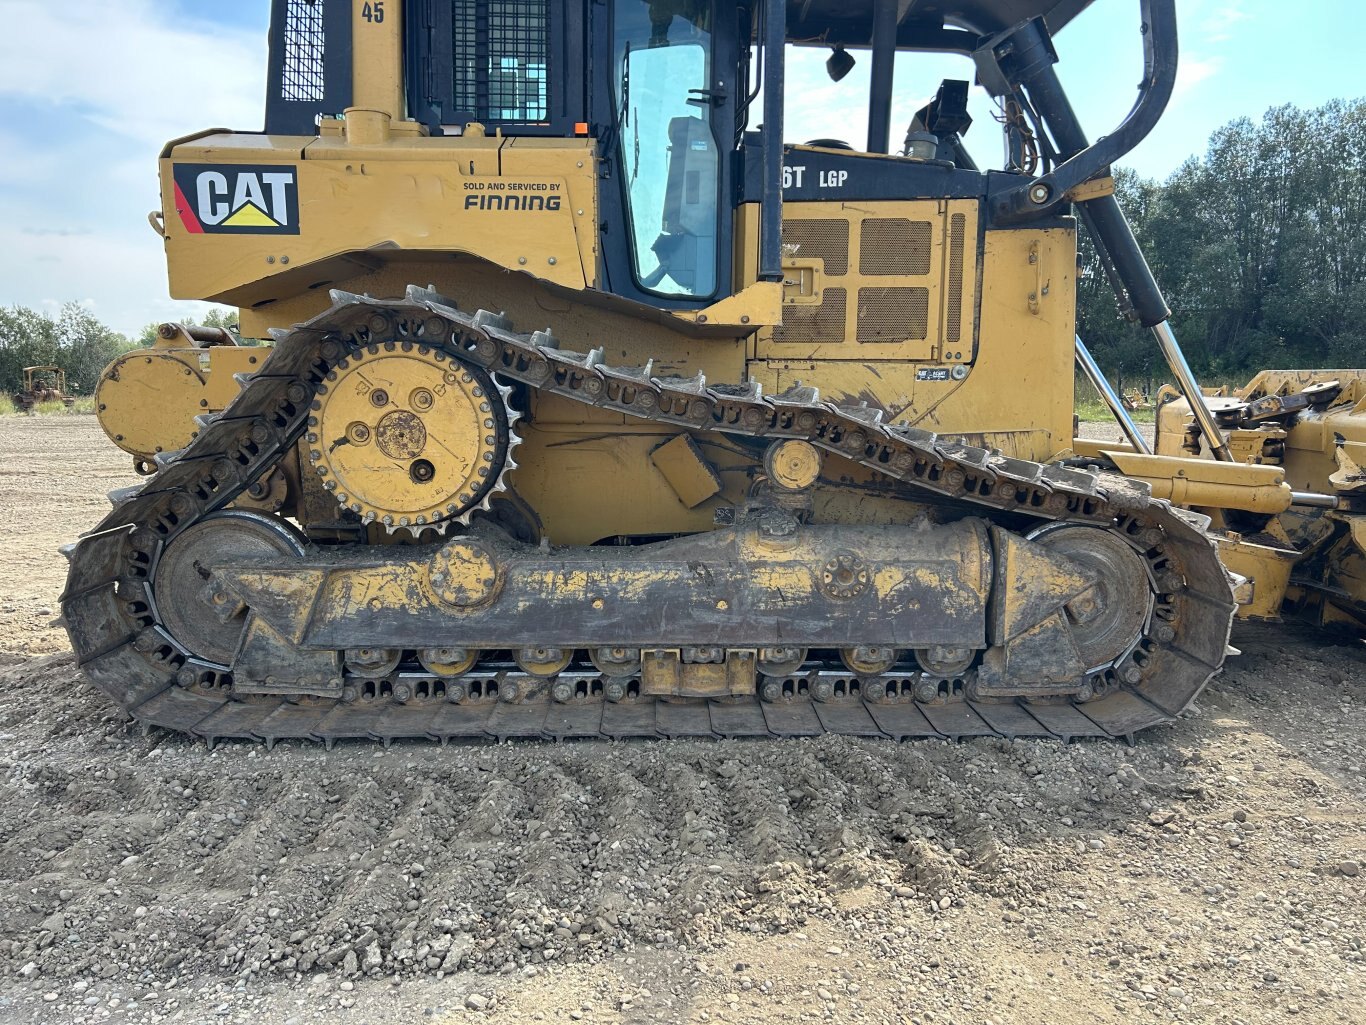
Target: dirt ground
{"type": "Point", "coordinates": [1212, 873]}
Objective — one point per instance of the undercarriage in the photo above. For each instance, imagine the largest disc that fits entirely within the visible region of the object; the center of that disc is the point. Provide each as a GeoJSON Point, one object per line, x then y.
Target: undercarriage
{"type": "Point", "coordinates": [1021, 599]}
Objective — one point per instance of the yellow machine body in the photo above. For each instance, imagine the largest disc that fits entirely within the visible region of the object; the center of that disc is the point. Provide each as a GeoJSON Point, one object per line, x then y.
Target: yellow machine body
{"type": "Point", "coordinates": [622, 417]}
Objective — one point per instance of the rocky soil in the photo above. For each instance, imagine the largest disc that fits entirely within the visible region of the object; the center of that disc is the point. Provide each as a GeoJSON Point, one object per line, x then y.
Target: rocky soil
{"type": "Point", "coordinates": [1212, 873]}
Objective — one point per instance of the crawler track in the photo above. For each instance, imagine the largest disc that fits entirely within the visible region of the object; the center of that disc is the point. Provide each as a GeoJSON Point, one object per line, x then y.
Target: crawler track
{"type": "Point", "coordinates": [128, 654]}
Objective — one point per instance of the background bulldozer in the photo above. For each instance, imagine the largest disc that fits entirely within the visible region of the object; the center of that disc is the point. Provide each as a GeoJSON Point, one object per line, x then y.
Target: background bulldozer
{"type": "Point", "coordinates": [597, 407]}
{"type": "Point", "coordinates": [43, 384]}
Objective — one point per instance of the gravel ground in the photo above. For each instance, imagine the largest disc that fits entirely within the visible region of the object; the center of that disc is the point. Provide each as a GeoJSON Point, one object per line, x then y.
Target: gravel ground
{"type": "Point", "coordinates": [1211, 873]}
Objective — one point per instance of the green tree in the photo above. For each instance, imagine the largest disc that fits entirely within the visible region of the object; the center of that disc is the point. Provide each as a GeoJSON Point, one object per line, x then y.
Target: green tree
{"type": "Point", "coordinates": [74, 340]}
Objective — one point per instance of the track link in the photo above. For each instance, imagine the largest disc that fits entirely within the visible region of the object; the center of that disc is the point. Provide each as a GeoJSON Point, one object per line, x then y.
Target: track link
{"type": "Point", "coordinates": [122, 647]}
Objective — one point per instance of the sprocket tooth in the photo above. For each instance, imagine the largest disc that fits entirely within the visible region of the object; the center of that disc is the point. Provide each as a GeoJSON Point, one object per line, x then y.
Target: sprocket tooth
{"type": "Point", "coordinates": [68, 551]}
{"type": "Point", "coordinates": [279, 334]}
{"type": "Point", "coordinates": [241, 380]}
{"type": "Point", "coordinates": [206, 420]}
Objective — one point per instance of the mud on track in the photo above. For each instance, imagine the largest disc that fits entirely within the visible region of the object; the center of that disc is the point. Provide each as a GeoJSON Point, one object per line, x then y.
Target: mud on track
{"type": "Point", "coordinates": [1204, 875]}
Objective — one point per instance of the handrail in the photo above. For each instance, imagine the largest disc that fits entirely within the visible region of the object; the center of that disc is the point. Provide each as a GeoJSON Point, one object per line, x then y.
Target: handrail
{"type": "Point", "coordinates": [1026, 55]}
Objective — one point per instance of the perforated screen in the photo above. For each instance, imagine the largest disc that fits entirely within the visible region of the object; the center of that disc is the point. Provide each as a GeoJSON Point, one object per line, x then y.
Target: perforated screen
{"type": "Point", "coordinates": [819, 239]}
{"type": "Point", "coordinates": [957, 233]}
{"type": "Point", "coordinates": [893, 314]}
{"type": "Point", "coordinates": [895, 245]}
{"type": "Point", "coordinates": [302, 77]}
{"type": "Point", "coordinates": [501, 52]}
{"type": "Point", "coordinates": [822, 323]}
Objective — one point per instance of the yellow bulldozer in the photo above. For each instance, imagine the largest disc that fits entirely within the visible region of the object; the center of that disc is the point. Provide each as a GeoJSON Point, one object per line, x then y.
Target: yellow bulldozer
{"type": "Point", "coordinates": [45, 383]}
{"type": "Point", "coordinates": [593, 405]}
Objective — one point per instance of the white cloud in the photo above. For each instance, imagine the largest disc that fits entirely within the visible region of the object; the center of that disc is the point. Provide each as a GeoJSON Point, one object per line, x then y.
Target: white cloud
{"type": "Point", "coordinates": [129, 68]}
{"type": "Point", "coordinates": [1192, 71]}
{"type": "Point", "coordinates": [93, 90]}
{"type": "Point", "coordinates": [1218, 22]}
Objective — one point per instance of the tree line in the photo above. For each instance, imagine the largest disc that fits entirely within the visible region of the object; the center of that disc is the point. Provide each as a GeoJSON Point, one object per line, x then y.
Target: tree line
{"type": "Point", "coordinates": [74, 340]}
{"type": "Point", "coordinates": [1259, 246]}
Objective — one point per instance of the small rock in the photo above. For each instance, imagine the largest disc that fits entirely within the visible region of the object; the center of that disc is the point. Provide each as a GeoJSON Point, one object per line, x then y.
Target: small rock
{"type": "Point", "coordinates": [476, 1002]}
{"type": "Point", "coordinates": [1349, 868]}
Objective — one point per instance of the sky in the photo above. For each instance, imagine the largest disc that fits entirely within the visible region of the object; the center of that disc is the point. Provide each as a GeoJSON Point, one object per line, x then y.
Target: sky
{"type": "Point", "coordinates": [90, 91]}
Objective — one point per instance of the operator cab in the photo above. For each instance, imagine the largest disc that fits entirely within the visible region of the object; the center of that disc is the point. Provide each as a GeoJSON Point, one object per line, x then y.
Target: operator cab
{"type": "Point", "coordinates": [685, 99]}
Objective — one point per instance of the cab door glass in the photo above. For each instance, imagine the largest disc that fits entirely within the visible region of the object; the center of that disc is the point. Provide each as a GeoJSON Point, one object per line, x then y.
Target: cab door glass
{"type": "Point", "coordinates": [669, 156]}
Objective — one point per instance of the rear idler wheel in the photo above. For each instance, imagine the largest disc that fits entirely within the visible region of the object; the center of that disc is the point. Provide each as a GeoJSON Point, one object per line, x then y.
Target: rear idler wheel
{"type": "Point", "coordinates": [1109, 620]}
{"type": "Point", "coordinates": [203, 618]}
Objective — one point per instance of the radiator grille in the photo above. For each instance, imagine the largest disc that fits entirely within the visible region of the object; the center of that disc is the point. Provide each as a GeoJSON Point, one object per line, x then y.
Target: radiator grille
{"type": "Point", "coordinates": [895, 245]}
{"type": "Point", "coordinates": [302, 77]}
{"type": "Point", "coordinates": [893, 314]}
{"type": "Point", "coordinates": [826, 240]}
{"type": "Point", "coordinates": [500, 50]}
{"type": "Point", "coordinates": [953, 329]}
{"type": "Point", "coordinates": [823, 323]}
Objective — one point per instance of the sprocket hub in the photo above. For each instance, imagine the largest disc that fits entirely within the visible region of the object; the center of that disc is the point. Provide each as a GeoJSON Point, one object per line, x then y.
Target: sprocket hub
{"type": "Point", "coordinates": [410, 437]}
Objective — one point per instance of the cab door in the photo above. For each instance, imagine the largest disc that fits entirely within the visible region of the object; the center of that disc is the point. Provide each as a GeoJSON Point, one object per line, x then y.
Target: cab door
{"type": "Point", "coordinates": [672, 71]}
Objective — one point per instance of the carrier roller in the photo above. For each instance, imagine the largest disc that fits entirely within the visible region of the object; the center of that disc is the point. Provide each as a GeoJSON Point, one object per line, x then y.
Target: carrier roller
{"type": "Point", "coordinates": [1062, 603]}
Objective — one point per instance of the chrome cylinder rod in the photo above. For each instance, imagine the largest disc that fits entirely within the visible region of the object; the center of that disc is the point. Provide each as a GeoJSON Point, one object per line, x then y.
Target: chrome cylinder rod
{"type": "Point", "coordinates": [1190, 388]}
{"type": "Point", "coordinates": [1126, 423]}
{"type": "Point", "coordinates": [1314, 500]}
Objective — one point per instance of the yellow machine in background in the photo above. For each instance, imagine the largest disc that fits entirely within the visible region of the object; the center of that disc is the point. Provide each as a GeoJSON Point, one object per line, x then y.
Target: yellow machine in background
{"type": "Point", "coordinates": [593, 409]}
{"type": "Point", "coordinates": [1308, 560]}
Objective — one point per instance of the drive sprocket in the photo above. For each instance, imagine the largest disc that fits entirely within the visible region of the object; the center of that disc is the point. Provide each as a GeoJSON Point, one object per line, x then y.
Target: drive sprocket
{"type": "Point", "coordinates": [408, 436]}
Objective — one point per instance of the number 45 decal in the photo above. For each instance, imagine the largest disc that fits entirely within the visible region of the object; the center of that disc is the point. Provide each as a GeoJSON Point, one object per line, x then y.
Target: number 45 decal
{"type": "Point", "coordinates": [373, 12]}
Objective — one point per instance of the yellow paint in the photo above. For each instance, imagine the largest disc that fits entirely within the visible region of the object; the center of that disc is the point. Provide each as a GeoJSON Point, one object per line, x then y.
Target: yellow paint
{"type": "Point", "coordinates": [250, 216]}
{"type": "Point", "coordinates": [147, 399]}
{"type": "Point", "coordinates": [1202, 482]}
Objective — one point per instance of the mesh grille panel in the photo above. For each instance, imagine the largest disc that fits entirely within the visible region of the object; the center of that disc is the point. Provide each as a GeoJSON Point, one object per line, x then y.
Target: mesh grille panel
{"type": "Point", "coordinates": [500, 50]}
{"type": "Point", "coordinates": [895, 245]}
{"type": "Point", "coordinates": [826, 240]}
{"type": "Point", "coordinates": [893, 314]}
{"type": "Point", "coordinates": [957, 230]}
{"type": "Point", "coordinates": [302, 77]}
{"type": "Point", "coordinates": [823, 323]}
